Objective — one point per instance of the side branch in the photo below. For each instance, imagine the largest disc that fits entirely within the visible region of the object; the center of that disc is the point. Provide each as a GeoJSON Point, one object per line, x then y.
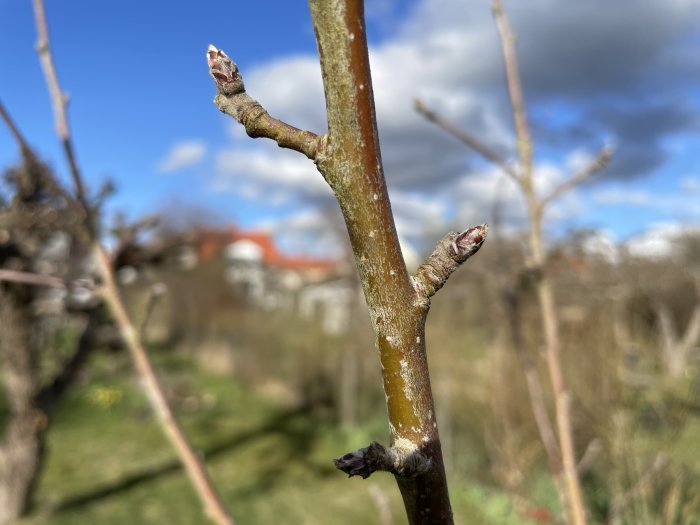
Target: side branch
{"type": "Point", "coordinates": [233, 100]}
{"type": "Point", "coordinates": [194, 465]}
{"type": "Point", "coordinates": [24, 147]}
{"type": "Point", "coordinates": [59, 103]}
{"type": "Point", "coordinates": [602, 160]}
{"type": "Point", "coordinates": [450, 252]}
{"type": "Point", "coordinates": [469, 139]}
{"type": "Point", "coordinates": [407, 463]}
{"type": "Point", "coordinates": [515, 89]}
{"type": "Point", "coordinates": [31, 278]}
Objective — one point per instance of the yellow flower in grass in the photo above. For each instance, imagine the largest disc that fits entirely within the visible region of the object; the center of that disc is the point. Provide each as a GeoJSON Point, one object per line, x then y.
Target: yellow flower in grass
{"type": "Point", "coordinates": [105, 397]}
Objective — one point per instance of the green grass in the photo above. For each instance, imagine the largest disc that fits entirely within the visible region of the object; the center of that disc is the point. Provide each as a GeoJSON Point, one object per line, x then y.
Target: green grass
{"type": "Point", "coordinates": [109, 463]}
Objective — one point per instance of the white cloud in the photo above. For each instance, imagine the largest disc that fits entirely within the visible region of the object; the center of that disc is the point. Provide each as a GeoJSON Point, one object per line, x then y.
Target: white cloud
{"type": "Point", "coordinates": [274, 176]}
{"type": "Point", "coordinates": [184, 154]}
{"type": "Point", "coordinates": [447, 52]}
{"type": "Point", "coordinates": [290, 89]}
{"type": "Point", "coordinates": [622, 196]}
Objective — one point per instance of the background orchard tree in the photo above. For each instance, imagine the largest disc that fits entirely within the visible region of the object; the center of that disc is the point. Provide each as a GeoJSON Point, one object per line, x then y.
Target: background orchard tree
{"type": "Point", "coordinates": [557, 439]}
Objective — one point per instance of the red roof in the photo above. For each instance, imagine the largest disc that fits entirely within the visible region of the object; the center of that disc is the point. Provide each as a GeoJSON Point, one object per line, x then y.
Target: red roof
{"type": "Point", "coordinates": [210, 243]}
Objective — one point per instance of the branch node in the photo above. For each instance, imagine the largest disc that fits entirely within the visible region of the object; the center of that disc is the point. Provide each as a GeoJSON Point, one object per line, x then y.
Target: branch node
{"type": "Point", "coordinates": [451, 251]}
{"type": "Point", "coordinates": [407, 463]}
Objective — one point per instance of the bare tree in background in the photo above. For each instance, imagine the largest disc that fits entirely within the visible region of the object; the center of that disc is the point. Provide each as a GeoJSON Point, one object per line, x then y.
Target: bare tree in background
{"type": "Point", "coordinates": [19, 366]}
{"type": "Point", "coordinates": [349, 159]}
{"type": "Point", "coordinates": [559, 445]}
{"type": "Point", "coordinates": [36, 214]}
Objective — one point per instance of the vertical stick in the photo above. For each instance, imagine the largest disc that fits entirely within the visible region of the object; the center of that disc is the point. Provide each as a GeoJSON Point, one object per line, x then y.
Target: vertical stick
{"type": "Point", "coordinates": [194, 467]}
{"type": "Point", "coordinates": [550, 322]}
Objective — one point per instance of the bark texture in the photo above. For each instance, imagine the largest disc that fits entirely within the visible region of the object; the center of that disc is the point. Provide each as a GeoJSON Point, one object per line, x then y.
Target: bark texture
{"type": "Point", "coordinates": [21, 452]}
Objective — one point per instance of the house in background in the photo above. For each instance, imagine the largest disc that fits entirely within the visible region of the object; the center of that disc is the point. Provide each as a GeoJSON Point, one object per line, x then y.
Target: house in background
{"type": "Point", "coordinates": [319, 288]}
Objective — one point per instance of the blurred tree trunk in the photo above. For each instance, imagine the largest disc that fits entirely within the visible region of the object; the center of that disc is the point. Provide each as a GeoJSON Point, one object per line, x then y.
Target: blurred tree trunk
{"type": "Point", "coordinates": [35, 194]}
{"type": "Point", "coordinates": [21, 452]}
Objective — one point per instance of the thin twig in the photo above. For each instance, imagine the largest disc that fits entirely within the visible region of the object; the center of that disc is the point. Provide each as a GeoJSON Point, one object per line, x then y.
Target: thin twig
{"type": "Point", "coordinates": [469, 139]}
{"type": "Point", "coordinates": [592, 452]}
{"type": "Point", "coordinates": [574, 501]}
{"type": "Point", "coordinates": [59, 103]}
{"type": "Point", "coordinates": [659, 463]}
{"type": "Point", "coordinates": [511, 290]}
{"type": "Point", "coordinates": [31, 278]}
{"type": "Point", "coordinates": [109, 291]}
{"type": "Point", "coordinates": [233, 100]}
{"type": "Point", "coordinates": [382, 502]}
{"type": "Point", "coordinates": [692, 331]}
{"type": "Point", "coordinates": [601, 160]}
{"type": "Point", "coordinates": [24, 147]}
{"type": "Point", "coordinates": [194, 466]}
{"type": "Point", "coordinates": [515, 89]}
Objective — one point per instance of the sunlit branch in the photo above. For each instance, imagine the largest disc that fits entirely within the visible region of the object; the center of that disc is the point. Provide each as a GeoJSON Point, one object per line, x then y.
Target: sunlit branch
{"type": "Point", "coordinates": [570, 183]}
{"type": "Point", "coordinates": [31, 278]}
{"type": "Point", "coordinates": [515, 89]}
{"type": "Point", "coordinates": [233, 100]}
{"type": "Point", "coordinates": [59, 103]}
{"type": "Point", "coordinates": [469, 139]}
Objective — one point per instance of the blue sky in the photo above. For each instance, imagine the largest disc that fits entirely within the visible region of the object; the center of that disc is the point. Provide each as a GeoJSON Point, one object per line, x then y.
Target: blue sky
{"type": "Point", "coordinates": [594, 72]}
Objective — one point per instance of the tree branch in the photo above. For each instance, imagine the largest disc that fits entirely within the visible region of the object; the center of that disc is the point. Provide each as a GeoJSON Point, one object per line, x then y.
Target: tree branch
{"type": "Point", "coordinates": [602, 160]}
{"type": "Point", "coordinates": [692, 332]}
{"type": "Point", "coordinates": [449, 254]}
{"type": "Point", "coordinates": [31, 278]}
{"type": "Point", "coordinates": [59, 103]}
{"type": "Point", "coordinates": [572, 499]}
{"type": "Point", "coordinates": [515, 89]}
{"type": "Point", "coordinates": [233, 100]}
{"type": "Point", "coordinates": [469, 139]}
{"type": "Point", "coordinates": [350, 161]}
{"type": "Point", "coordinates": [24, 147]}
{"type": "Point", "coordinates": [193, 464]}
{"type": "Point", "coordinates": [511, 290]}
{"type": "Point", "coordinates": [593, 450]}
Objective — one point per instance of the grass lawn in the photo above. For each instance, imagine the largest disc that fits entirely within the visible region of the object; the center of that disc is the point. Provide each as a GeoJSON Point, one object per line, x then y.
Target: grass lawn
{"type": "Point", "coordinates": [108, 462]}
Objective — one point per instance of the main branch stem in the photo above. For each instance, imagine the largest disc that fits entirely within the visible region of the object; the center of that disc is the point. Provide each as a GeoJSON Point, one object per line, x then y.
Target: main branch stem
{"type": "Point", "coordinates": [351, 163]}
